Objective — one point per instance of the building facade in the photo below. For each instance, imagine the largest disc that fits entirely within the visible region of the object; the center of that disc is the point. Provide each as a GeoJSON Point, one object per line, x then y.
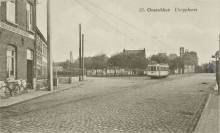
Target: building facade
{"type": "Point", "coordinates": [189, 68]}
{"type": "Point", "coordinates": [19, 39]}
{"type": "Point", "coordinates": [41, 56]}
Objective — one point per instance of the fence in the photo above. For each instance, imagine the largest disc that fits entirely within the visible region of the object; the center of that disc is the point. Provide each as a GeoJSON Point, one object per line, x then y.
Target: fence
{"type": "Point", "coordinates": [115, 72]}
{"type": "Point", "coordinates": [73, 73]}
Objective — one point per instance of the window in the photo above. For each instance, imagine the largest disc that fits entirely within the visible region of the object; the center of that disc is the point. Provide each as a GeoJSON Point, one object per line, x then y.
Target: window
{"type": "Point", "coordinates": [40, 48]}
{"type": "Point", "coordinates": [41, 58]}
{"type": "Point", "coordinates": [29, 16]}
{"type": "Point", "coordinates": [41, 66]}
{"type": "Point", "coordinates": [11, 62]}
{"type": "Point", "coordinates": [29, 54]}
{"type": "Point", "coordinates": [153, 68]}
{"type": "Point", "coordinates": [11, 11]}
{"type": "Point", "coordinates": [148, 68]}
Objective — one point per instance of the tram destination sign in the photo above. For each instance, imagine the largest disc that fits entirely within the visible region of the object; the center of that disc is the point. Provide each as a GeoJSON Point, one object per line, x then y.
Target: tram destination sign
{"type": "Point", "coordinates": [15, 30]}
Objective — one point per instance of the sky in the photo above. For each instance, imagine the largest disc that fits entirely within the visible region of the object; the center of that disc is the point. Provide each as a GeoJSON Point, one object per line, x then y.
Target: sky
{"type": "Point", "coordinates": [109, 26]}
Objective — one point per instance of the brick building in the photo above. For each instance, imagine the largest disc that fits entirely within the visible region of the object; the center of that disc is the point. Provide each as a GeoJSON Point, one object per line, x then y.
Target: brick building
{"type": "Point", "coordinates": [142, 52]}
{"type": "Point", "coordinates": [19, 38]}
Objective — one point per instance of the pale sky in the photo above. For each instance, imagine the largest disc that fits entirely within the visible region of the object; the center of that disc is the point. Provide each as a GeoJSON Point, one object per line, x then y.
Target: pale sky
{"type": "Point", "coordinates": [195, 31]}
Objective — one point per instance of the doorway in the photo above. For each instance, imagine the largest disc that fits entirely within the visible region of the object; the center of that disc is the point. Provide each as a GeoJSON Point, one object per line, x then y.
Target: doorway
{"type": "Point", "coordinates": [30, 64]}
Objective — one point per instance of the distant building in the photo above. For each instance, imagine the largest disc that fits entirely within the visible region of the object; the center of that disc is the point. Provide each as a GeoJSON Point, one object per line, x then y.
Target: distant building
{"type": "Point", "coordinates": [57, 67]}
{"type": "Point", "coordinates": [210, 68]}
{"type": "Point", "coordinates": [135, 52]}
{"type": "Point", "coordinates": [162, 54]}
{"type": "Point", "coordinates": [189, 69]}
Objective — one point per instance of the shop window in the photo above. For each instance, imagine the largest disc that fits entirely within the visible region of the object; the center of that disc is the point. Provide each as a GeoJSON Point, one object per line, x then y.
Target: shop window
{"type": "Point", "coordinates": [11, 62]}
{"type": "Point", "coordinates": [11, 11]}
{"type": "Point", "coordinates": [29, 16]}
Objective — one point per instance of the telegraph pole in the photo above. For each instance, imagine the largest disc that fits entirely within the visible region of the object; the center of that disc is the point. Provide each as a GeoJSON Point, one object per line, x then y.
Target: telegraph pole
{"type": "Point", "coordinates": [82, 57]}
{"type": "Point", "coordinates": [219, 68]}
{"type": "Point", "coordinates": [181, 56]}
{"type": "Point", "coordinates": [49, 52]}
{"type": "Point", "coordinates": [71, 63]}
{"type": "Point", "coordinates": [80, 52]}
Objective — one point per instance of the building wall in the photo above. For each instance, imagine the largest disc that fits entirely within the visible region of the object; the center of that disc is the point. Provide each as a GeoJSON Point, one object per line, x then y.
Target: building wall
{"type": "Point", "coordinates": [9, 38]}
{"type": "Point", "coordinates": [20, 42]}
{"type": "Point", "coordinates": [41, 50]}
{"type": "Point", "coordinates": [189, 69]}
{"type": "Point", "coordinates": [21, 19]}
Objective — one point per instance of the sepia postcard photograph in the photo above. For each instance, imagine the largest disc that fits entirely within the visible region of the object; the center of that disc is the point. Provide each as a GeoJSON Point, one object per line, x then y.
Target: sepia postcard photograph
{"type": "Point", "coordinates": [109, 66]}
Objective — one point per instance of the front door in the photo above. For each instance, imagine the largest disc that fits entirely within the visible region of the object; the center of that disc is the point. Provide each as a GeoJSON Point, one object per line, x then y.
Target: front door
{"type": "Point", "coordinates": [30, 71]}
{"type": "Point", "coordinates": [30, 64]}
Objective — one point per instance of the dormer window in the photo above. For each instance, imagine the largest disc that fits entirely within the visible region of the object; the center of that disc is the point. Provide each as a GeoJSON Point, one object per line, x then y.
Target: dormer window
{"type": "Point", "coordinates": [11, 11]}
{"type": "Point", "coordinates": [29, 16]}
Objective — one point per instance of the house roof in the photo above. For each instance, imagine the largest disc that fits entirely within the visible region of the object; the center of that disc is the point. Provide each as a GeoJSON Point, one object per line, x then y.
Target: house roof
{"type": "Point", "coordinates": [41, 35]}
{"type": "Point", "coordinates": [86, 59]}
{"type": "Point", "coordinates": [133, 51]}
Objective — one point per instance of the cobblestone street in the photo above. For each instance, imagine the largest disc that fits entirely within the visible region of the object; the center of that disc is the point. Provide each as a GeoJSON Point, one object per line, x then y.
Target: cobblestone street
{"type": "Point", "coordinates": [116, 105]}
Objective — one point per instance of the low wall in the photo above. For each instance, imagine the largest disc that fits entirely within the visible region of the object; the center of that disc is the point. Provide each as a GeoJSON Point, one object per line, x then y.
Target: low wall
{"type": "Point", "coordinates": [63, 80]}
{"type": "Point", "coordinates": [68, 80]}
{"type": "Point", "coordinates": [41, 84]}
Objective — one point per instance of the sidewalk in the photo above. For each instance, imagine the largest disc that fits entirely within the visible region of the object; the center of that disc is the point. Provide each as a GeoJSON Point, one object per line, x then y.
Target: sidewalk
{"type": "Point", "coordinates": [209, 121]}
{"type": "Point", "coordinates": [35, 94]}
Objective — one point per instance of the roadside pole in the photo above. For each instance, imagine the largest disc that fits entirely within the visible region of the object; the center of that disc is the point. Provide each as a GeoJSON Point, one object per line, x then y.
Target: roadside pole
{"type": "Point", "coordinates": [219, 68]}
{"type": "Point", "coordinates": [70, 63]}
{"type": "Point", "coordinates": [181, 56]}
{"type": "Point", "coordinates": [49, 52]}
{"type": "Point", "coordinates": [79, 52]}
{"type": "Point", "coordinates": [82, 57]}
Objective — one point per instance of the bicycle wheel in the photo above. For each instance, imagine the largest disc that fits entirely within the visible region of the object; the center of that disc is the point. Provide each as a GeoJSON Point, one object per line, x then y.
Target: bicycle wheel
{"type": "Point", "coordinates": [28, 88]}
{"type": "Point", "coordinates": [4, 92]}
{"type": "Point", "coordinates": [16, 89]}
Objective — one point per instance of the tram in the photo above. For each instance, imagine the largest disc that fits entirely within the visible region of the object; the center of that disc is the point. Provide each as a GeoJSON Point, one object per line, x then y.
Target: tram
{"type": "Point", "coordinates": [158, 70]}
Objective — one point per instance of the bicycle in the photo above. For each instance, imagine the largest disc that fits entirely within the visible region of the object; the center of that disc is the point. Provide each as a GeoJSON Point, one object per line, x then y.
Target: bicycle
{"type": "Point", "coordinates": [9, 89]}
{"type": "Point", "coordinates": [24, 86]}
{"type": "Point", "coordinates": [14, 88]}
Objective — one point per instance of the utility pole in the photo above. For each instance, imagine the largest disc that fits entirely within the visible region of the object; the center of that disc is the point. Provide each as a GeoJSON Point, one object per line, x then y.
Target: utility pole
{"type": "Point", "coordinates": [82, 57]}
{"type": "Point", "coordinates": [80, 52]}
{"type": "Point", "coordinates": [181, 56]}
{"type": "Point", "coordinates": [219, 68]}
{"type": "Point", "coordinates": [71, 63]}
{"type": "Point", "coordinates": [49, 52]}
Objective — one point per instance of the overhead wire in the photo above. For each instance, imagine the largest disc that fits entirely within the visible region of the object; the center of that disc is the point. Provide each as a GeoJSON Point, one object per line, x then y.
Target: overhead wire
{"type": "Point", "coordinates": [104, 21]}
{"type": "Point", "coordinates": [119, 18]}
{"type": "Point", "coordinates": [128, 23]}
{"type": "Point", "coordinates": [154, 37]}
{"type": "Point", "coordinates": [107, 23]}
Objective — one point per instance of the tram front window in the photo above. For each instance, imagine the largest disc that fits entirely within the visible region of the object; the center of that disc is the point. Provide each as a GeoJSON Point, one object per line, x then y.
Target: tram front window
{"type": "Point", "coordinates": [149, 68]}
{"type": "Point", "coordinates": [154, 68]}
